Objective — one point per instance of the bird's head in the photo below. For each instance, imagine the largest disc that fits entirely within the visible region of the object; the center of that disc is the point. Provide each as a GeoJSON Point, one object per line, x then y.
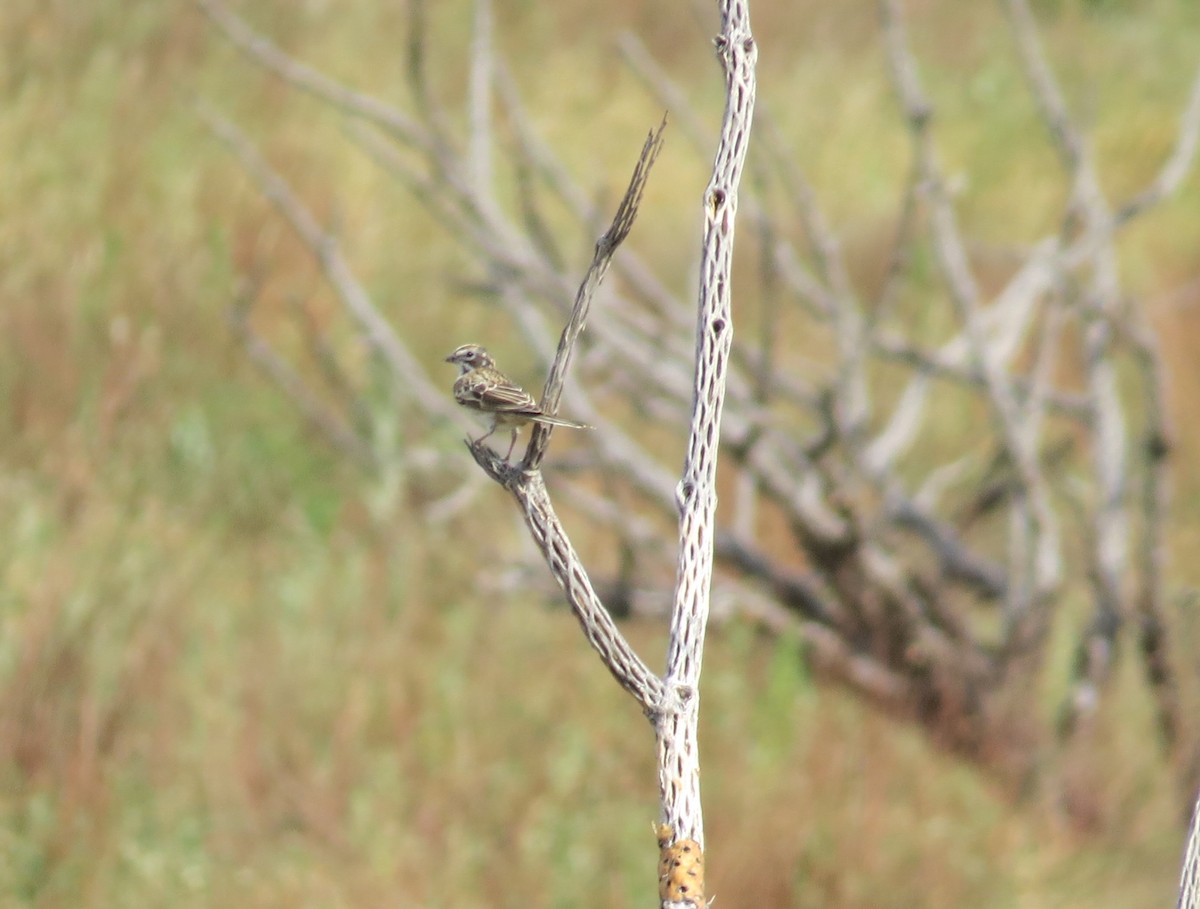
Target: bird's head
{"type": "Point", "coordinates": [471, 356]}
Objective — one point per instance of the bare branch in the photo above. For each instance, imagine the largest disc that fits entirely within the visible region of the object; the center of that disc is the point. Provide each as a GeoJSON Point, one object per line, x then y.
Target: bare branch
{"type": "Point", "coordinates": [1177, 165]}
{"type": "Point", "coordinates": [480, 104]}
{"type": "Point", "coordinates": [1151, 552]}
{"type": "Point", "coordinates": [527, 486]}
{"type": "Point", "coordinates": [1046, 91]}
{"type": "Point", "coordinates": [679, 772]}
{"type": "Point", "coordinates": [295, 388]}
{"type": "Point", "coordinates": [1035, 562]}
{"type": "Point", "coordinates": [309, 80]}
{"type": "Point", "coordinates": [665, 90]}
{"type": "Point", "coordinates": [905, 559]}
{"type": "Point", "coordinates": [830, 262]}
{"type": "Point", "coordinates": [1109, 552]}
{"type": "Point", "coordinates": [606, 246]}
{"type": "Point", "coordinates": [1189, 877]}
{"type": "Point", "coordinates": [410, 379]}
{"type": "Point", "coordinates": [799, 593]}
{"type": "Point", "coordinates": [595, 620]}
{"type": "Point", "coordinates": [334, 374]}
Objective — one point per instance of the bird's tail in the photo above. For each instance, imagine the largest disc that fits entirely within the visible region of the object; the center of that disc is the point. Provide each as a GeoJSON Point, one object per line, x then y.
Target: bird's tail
{"type": "Point", "coordinates": [556, 421]}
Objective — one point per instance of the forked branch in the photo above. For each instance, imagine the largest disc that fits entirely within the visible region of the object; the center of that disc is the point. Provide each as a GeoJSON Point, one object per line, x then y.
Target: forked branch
{"type": "Point", "coordinates": [526, 484]}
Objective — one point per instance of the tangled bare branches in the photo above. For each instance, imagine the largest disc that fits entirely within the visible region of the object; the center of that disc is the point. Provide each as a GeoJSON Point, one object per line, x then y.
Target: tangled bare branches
{"type": "Point", "coordinates": [923, 558]}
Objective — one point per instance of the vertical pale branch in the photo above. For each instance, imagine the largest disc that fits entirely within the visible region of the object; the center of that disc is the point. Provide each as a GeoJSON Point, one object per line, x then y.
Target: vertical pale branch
{"type": "Point", "coordinates": [1153, 628]}
{"type": "Point", "coordinates": [1189, 877]}
{"type": "Point", "coordinates": [480, 100]}
{"type": "Point", "coordinates": [1035, 562]}
{"type": "Point", "coordinates": [678, 758]}
{"type": "Point", "coordinates": [1098, 307]}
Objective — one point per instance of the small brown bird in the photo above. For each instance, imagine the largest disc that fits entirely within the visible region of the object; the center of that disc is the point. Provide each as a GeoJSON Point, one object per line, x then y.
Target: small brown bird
{"type": "Point", "coordinates": [485, 389]}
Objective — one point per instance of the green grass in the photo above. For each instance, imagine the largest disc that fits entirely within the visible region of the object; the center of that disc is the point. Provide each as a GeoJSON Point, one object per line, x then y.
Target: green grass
{"type": "Point", "coordinates": [236, 671]}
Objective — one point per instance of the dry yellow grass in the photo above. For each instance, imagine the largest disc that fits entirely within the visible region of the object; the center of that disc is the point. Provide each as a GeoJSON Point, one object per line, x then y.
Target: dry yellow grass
{"type": "Point", "coordinates": [235, 671]}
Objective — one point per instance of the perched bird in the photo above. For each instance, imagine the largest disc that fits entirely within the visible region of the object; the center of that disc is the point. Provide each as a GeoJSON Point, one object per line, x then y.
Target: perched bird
{"type": "Point", "coordinates": [486, 390]}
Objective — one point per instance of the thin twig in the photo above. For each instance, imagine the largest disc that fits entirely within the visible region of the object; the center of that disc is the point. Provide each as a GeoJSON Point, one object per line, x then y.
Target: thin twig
{"type": "Point", "coordinates": [1177, 165]}
{"type": "Point", "coordinates": [410, 379]}
{"type": "Point", "coordinates": [309, 80]}
{"type": "Point", "coordinates": [606, 246]}
{"type": "Point", "coordinates": [296, 389]}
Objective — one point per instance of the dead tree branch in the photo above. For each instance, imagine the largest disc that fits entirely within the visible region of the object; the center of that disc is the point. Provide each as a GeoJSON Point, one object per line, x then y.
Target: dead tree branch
{"type": "Point", "coordinates": [525, 482]}
{"type": "Point", "coordinates": [922, 470]}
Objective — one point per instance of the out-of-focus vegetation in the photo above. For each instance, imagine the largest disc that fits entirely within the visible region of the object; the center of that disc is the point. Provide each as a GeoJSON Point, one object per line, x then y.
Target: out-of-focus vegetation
{"type": "Point", "coordinates": [234, 670]}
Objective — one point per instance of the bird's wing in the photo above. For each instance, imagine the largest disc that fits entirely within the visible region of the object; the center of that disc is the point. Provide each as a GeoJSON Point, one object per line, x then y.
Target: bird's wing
{"type": "Point", "coordinates": [490, 393]}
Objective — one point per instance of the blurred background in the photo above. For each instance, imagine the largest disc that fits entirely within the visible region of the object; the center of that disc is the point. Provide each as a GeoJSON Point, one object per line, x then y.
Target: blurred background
{"type": "Point", "coordinates": [238, 667]}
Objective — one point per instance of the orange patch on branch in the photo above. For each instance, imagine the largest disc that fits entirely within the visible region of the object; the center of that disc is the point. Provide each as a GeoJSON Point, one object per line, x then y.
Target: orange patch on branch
{"type": "Point", "coordinates": [680, 869]}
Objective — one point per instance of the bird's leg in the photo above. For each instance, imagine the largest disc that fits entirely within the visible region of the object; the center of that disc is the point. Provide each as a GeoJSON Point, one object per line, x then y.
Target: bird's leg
{"type": "Point", "coordinates": [485, 435]}
{"type": "Point", "coordinates": [512, 444]}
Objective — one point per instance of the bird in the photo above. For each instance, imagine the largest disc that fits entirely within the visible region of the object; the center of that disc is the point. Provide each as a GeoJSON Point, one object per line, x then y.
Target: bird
{"type": "Point", "coordinates": [483, 388]}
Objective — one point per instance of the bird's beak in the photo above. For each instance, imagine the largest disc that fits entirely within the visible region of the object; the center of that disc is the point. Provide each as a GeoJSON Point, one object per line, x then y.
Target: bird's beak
{"type": "Point", "coordinates": [450, 359]}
